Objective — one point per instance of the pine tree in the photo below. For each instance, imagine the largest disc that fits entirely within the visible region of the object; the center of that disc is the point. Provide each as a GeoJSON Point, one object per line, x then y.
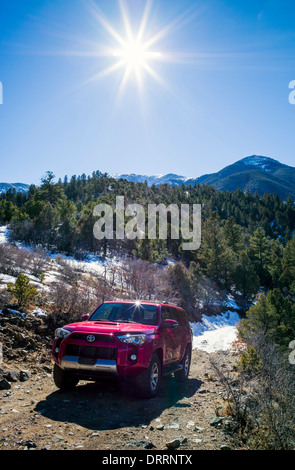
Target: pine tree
{"type": "Point", "coordinates": [259, 254]}
{"type": "Point", "coordinates": [22, 290]}
{"type": "Point", "coordinates": [233, 235]}
{"type": "Point", "coordinates": [288, 265]}
{"type": "Point", "coordinates": [245, 279]}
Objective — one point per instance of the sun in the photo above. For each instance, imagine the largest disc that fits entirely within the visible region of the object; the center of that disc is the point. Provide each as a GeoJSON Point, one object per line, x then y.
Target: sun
{"type": "Point", "coordinates": [133, 54]}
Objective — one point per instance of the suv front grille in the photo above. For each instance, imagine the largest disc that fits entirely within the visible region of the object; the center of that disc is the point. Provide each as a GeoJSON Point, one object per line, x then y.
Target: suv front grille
{"type": "Point", "coordinates": [94, 352]}
{"type": "Point", "coordinates": [98, 337]}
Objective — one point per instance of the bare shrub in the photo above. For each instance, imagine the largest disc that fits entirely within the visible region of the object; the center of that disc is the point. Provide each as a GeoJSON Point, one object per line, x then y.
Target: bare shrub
{"type": "Point", "coordinates": [143, 280]}
{"type": "Point", "coordinates": [69, 274]}
{"type": "Point", "coordinates": [38, 259]}
{"type": "Point", "coordinates": [69, 303]}
{"type": "Point", "coordinates": [8, 255]}
{"type": "Point", "coordinates": [262, 399]}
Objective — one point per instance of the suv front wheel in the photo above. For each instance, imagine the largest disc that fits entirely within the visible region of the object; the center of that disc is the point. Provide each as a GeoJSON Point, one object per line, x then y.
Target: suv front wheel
{"type": "Point", "coordinates": [64, 380]}
{"type": "Point", "coordinates": [148, 382]}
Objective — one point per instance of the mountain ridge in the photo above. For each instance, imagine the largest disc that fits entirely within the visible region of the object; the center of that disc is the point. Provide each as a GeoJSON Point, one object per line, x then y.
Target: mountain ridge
{"type": "Point", "coordinates": [19, 187]}
{"type": "Point", "coordinates": [253, 173]}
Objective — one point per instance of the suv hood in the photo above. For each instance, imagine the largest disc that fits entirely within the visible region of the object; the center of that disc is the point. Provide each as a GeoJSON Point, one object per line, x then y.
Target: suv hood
{"type": "Point", "coordinates": [109, 327]}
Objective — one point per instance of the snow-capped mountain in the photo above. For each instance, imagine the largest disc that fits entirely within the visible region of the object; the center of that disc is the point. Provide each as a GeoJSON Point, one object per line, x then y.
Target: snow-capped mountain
{"type": "Point", "coordinates": [157, 180]}
{"type": "Point", "coordinates": [254, 173]}
{"type": "Point", "coordinates": [19, 187]}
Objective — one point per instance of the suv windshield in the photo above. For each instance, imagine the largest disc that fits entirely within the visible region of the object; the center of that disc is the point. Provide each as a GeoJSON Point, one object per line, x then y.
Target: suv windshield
{"type": "Point", "coordinates": [126, 313]}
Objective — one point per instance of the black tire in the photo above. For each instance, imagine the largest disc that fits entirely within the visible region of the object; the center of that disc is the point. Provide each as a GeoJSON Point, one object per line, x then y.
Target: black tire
{"type": "Point", "coordinates": [148, 383]}
{"type": "Point", "coordinates": [182, 375]}
{"type": "Point", "coordinates": [64, 380]}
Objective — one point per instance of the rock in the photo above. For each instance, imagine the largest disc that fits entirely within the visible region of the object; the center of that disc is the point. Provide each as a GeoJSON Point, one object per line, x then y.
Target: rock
{"type": "Point", "coordinates": [173, 444]}
{"type": "Point", "coordinates": [30, 445]}
{"type": "Point", "coordinates": [4, 384]}
{"type": "Point", "coordinates": [24, 375]}
{"type": "Point", "coordinates": [198, 429]}
{"type": "Point", "coordinates": [58, 437]}
{"type": "Point", "coordinates": [172, 426]}
{"type": "Point", "coordinates": [12, 376]}
{"type": "Point", "coordinates": [20, 337]}
{"type": "Point", "coordinates": [216, 421]}
{"type": "Point", "coordinates": [149, 445]}
{"type": "Point", "coordinates": [190, 424]}
{"type": "Point", "coordinates": [225, 447]}
{"type": "Point", "coordinates": [143, 444]}
{"type": "Point", "coordinates": [42, 329]}
{"type": "Point", "coordinates": [160, 427]}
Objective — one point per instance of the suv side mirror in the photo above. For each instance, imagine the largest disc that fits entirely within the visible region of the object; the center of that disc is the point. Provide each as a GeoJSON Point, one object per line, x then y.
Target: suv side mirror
{"type": "Point", "coordinates": [170, 323]}
{"type": "Point", "coordinates": [85, 317]}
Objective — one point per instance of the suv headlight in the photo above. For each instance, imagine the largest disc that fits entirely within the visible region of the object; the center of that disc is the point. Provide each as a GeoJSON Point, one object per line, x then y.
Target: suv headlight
{"type": "Point", "coordinates": [61, 333]}
{"type": "Point", "coordinates": [133, 339]}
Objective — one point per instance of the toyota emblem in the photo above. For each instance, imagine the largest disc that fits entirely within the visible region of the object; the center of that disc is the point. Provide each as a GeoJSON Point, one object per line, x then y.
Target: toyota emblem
{"type": "Point", "coordinates": [90, 338]}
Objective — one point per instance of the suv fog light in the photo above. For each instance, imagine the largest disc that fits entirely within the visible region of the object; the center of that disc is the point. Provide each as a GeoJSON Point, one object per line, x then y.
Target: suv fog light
{"type": "Point", "coordinates": [133, 357]}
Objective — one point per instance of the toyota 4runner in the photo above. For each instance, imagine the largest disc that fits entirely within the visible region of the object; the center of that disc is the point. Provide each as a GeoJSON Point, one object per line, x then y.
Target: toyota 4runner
{"type": "Point", "coordinates": [138, 342]}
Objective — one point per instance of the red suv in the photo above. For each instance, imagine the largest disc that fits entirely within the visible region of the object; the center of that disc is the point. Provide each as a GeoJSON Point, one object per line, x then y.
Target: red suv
{"type": "Point", "coordinates": [137, 342]}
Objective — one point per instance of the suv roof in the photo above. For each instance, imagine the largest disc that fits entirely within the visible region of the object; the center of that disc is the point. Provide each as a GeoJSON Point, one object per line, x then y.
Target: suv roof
{"type": "Point", "coordinates": [155, 302]}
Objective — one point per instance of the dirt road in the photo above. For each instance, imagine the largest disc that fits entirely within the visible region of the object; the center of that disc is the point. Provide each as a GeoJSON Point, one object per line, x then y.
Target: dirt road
{"type": "Point", "coordinates": [35, 415]}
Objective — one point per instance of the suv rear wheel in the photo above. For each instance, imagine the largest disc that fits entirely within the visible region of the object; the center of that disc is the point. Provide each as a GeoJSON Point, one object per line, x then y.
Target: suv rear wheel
{"type": "Point", "coordinates": [182, 375]}
{"type": "Point", "coordinates": [64, 380]}
{"type": "Point", "coordinates": [148, 382]}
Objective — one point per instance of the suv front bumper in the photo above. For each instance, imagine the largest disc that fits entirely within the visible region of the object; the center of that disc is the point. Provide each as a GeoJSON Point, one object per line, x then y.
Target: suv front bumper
{"type": "Point", "coordinates": [95, 365]}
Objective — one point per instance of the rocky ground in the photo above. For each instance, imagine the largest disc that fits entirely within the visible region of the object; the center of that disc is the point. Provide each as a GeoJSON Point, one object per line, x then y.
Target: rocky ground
{"type": "Point", "coordinates": [35, 415]}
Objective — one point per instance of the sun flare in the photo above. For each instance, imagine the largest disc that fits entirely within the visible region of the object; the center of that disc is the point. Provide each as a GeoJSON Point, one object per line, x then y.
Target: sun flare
{"type": "Point", "coordinates": [133, 54]}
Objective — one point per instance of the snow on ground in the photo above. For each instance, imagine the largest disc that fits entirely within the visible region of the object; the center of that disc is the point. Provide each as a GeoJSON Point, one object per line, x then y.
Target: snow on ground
{"type": "Point", "coordinates": [216, 332]}
{"type": "Point", "coordinates": [93, 264]}
{"type": "Point", "coordinates": [4, 234]}
{"type": "Point", "coordinates": [212, 334]}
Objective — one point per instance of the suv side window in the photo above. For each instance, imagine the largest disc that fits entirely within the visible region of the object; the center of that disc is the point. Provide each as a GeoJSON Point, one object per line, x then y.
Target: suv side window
{"type": "Point", "coordinates": [169, 313]}
{"type": "Point", "coordinates": [165, 313]}
{"type": "Point", "coordinates": [183, 318]}
{"type": "Point", "coordinates": [176, 316]}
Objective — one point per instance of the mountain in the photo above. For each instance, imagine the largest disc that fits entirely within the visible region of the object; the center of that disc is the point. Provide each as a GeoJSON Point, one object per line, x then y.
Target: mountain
{"type": "Point", "coordinates": [19, 187]}
{"type": "Point", "coordinates": [255, 173]}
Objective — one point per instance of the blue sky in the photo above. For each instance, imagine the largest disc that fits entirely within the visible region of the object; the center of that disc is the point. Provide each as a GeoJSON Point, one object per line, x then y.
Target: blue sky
{"type": "Point", "coordinates": [222, 92]}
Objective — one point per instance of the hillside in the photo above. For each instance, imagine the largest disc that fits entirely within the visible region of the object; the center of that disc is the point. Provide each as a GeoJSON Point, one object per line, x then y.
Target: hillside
{"type": "Point", "coordinates": [255, 173]}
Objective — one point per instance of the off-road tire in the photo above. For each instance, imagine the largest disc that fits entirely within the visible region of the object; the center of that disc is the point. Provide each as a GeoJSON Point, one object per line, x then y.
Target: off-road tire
{"type": "Point", "coordinates": [64, 380]}
{"type": "Point", "coordinates": [148, 383]}
{"type": "Point", "coordinates": [182, 375]}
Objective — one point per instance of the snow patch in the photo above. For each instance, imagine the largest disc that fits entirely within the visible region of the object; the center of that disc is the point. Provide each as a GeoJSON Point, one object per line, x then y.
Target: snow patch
{"type": "Point", "coordinates": [215, 333]}
{"type": "Point", "coordinates": [4, 234]}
